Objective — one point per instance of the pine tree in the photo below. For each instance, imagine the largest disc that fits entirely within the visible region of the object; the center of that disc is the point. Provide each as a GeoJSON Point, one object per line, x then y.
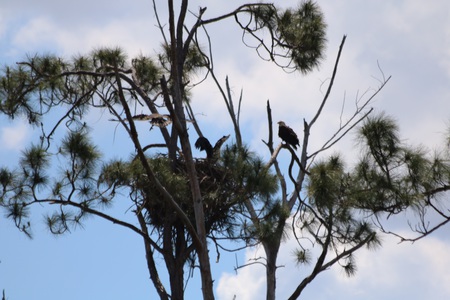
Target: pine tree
{"type": "Point", "coordinates": [180, 202]}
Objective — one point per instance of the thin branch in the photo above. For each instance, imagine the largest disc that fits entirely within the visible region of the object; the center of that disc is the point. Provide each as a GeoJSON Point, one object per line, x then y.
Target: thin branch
{"type": "Point", "coordinates": [151, 261]}
{"type": "Point", "coordinates": [339, 134]}
{"type": "Point", "coordinates": [274, 154]}
{"type": "Point", "coordinates": [94, 212]}
{"type": "Point", "coordinates": [159, 23]}
{"type": "Point", "coordinates": [333, 76]}
{"type": "Point", "coordinates": [240, 9]}
{"type": "Point", "coordinates": [333, 140]}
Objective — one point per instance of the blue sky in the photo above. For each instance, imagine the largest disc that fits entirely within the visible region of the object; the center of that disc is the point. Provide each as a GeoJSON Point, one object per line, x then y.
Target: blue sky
{"type": "Point", "coordinates": [410, 40]}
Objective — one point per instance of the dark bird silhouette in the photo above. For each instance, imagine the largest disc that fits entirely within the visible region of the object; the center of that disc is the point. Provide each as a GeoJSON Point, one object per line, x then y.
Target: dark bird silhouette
{"type": "Point", "coordinates": [288, 135]}
{"type": "Point", "coordinates": [203, 144]}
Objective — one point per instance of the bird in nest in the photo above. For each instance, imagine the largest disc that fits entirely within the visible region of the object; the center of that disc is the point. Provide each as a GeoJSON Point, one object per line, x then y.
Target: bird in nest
{"type": "Point", "coordinates": [203, 144]}
{"type": "Point", "coordinates": [288, 135]}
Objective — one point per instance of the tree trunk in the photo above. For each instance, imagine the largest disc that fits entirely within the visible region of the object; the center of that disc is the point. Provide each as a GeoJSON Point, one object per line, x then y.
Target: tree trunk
{"type": "Point", "coordinates": [177, 281]}
{"type": "Point", "coordinates": [174, 257]}
{"type": "Point", "coordinates": [202, 250]}
{"type": "Point", "coordinates": [271, 249]}
{"type": "Point", "coordinates": [178, 55]}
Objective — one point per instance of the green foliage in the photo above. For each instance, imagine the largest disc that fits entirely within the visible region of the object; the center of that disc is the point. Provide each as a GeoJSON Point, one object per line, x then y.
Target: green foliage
{"type": "Point", "coordinates": [83, 63]}
{"type": "Point", "coordinates": [331, 194]}
{"type": "Point", "coordinates": [6, 178]}
{"type": "Point", "coordinates": [57, 223]}
{"type": "Point", "coordinates": [391, 176]}
{"type": "Point", "coordinates": [109, 58]}
{"type": "Point", "coordinates": [81, 152]}
{"type": "Point", "coordinates": [34, 162]}
{"type": "Point", "coordinates": [14, 194]}
{"type": "Point", "coordinates": [238, 176]}
{"type": "Point", "coordinates": [252, 181]}
{"type": "Point", "coordinates": [148, 73]}
{"type": "Point", "coordinates": [194, 60]}
{"type": "Point", "coordinates": [271, 227]}
{"type": "Point", "coordinates": [325, 183]}
{"type": "Point", "coordinates": [418, 168]}
{"type": "Point", "coordinates": [49, 65]}
{"type": "Point", "coordinates": [439, 171]}
{"type": "Point", "coordinates": [249, 176]}
{"type": "Point", "coordinates": [302, 31]}
{"type": "Point", "coordinates": [302, 256]}
{"type": "Point", "coordinates": [299, 32]}
{"type": "Point", "coordinates": [174, 181]}
{"type": "Point", "coordinates": [13, 98]}
{"type": "Point", "coordinates": [35, 86]}
{"type": "Point", "coordinates": [17, 211]}
{"type": "Point", "coordinates": [45, 78]}
{"type": "Point", "coordinates": [380, 136]}
{"type": "Point", "coordinates": [115, 173]}
{"type": "Point", "coordinates": [349, 266]}
{"type": "Point", "coordinates": [32, 87]}
{"type": "Point", "coordinates": [75, 183]}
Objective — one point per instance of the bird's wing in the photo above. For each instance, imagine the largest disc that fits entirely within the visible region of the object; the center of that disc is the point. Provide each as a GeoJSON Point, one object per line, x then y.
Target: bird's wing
{"type": "Point", "coordinates": [202, 143]}
{"type": "Point", "coordinates": [142, 117]}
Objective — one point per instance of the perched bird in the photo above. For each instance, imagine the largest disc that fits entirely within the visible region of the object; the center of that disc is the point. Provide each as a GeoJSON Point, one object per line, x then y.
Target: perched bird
{"type": "Point", "coordinates": [288, 135]}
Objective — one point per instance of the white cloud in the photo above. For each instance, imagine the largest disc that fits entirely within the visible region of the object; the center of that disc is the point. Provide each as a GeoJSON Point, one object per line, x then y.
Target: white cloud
{"type": "Point", "coordinates": [39, 32]}
{"type": "Point", "coordinates": [14, 137]}
{"type": "Point", "coordinates": [245, 286]}
{"type": "Point", "coordinates": [395, 271]}
{"type": "Point", "coordinates": [404, 271]}
{"type": "Point", "coordinates": [44, 34]}
{"type": "Point", "coordinates": [248, 284]}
